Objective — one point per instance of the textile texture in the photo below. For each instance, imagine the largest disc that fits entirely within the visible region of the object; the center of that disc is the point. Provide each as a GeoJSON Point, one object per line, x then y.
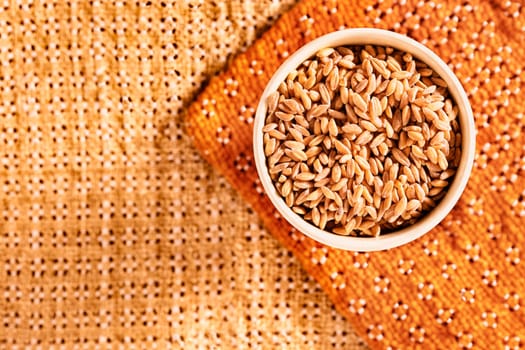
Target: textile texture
{"type": "Point", "coordinates": [459, 286]}
{"type": "Point", "coordinates": [114, 232]}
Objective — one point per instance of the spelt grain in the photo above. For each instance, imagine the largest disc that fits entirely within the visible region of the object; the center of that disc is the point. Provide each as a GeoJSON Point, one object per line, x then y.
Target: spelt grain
{"type": "Point", "coordinates": [364, 138]}
{"type": "Point", "coordinates": [333, 130]}
{"type": "Point", "coordinates": [341, 185]}
{"type": "Point", "coordinates": [361, 142]}
{"type": "Point", "coordinates": [325, 94]}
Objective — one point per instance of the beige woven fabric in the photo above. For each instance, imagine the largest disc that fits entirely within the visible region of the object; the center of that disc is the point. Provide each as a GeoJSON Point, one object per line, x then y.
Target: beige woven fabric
{"type": "Point", "coordinates": [113, 231]}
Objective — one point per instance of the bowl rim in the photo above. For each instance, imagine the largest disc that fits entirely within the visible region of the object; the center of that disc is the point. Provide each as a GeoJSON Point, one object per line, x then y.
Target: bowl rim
{"type": "Point", "coordinates": [380, 37]}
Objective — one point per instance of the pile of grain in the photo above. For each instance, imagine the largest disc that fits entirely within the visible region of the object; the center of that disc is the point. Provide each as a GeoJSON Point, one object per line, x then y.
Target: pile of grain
{"type": "Point", "coordinates": [362, 140]}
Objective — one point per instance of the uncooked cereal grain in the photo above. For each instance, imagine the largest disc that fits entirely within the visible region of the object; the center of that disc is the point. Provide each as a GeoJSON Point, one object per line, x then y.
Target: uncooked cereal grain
{"type": "Point", "coordinates": [361, 140]}
{"type": "Point", "coordinates": [272, 101]}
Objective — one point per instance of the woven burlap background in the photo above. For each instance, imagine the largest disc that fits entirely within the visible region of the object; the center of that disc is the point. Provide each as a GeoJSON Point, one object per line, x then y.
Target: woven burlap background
{"type": "Point", "coordinates": [461, 285]}
{"type": "Point", "coordinates": [114, 233]}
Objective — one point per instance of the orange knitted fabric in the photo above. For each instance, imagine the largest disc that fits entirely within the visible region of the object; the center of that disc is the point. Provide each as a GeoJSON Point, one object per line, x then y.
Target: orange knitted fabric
{"type": "Point", "coordinates": [459, 286]}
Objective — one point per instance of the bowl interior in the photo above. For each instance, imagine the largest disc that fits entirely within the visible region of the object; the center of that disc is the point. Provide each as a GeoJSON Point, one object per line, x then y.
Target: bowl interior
{"type": "Point", "coordinates": [377, 37]}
